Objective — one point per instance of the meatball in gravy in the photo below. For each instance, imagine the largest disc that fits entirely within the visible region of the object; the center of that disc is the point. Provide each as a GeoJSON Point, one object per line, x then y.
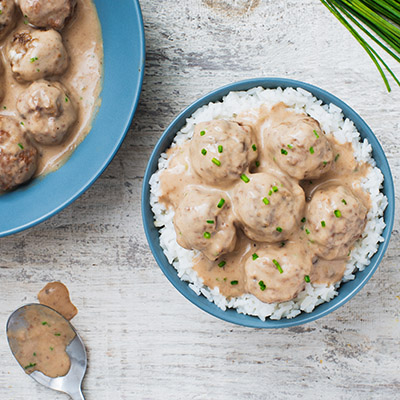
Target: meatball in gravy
{"type": "Point", "coordinates": [335, 219]}
{"type": "Point", "coordinates": [221, 151]}
{"type": "Point", "coordinates": [18, 157]}
{"type": "Point", "coordinates": [47, 13]}
{"type": "Point", "coordinates": [7, 13]}
{"type": "Point", "coordinates": [48, 111]}
{"type": "Point", "coordinates": [203, 222]}
{"type": "Point", "coordinates": [37, 54]}
{"type": "Point", "coordinates": [300, 147]}
{"type": "Point", "coordinates": [268, 207]}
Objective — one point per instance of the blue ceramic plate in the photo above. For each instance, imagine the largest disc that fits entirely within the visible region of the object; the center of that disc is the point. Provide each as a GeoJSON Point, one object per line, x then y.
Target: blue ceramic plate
{"type": "Point", "coordinates": [347, 290]}
{"type": "Point", "coordinates": [124, 57]}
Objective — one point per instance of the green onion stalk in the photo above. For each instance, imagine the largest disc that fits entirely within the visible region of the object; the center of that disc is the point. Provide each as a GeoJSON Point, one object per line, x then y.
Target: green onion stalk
{"type": "Point", "coordinates": [379, 20]}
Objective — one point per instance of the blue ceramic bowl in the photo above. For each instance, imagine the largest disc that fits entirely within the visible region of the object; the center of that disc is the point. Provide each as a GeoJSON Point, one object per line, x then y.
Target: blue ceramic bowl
{"type": "Point", "coordinates": [347, 290]}
{"type": "Point", "coordinates": [124, 57]}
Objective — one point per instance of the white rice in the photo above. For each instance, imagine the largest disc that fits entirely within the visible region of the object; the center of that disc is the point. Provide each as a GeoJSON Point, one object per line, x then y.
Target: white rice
{"type": "Point", "coordinates": [331, 119]}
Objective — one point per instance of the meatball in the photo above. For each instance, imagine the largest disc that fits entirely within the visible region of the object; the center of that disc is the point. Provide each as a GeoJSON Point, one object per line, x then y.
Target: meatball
{"type": "Point", "coordinates": [47, 13]}
{"type": "Point", "coordinates": [36, 55]}
{"type": "Point", "coordinates": [7, 20]}
{"type": "Point", "coordinates": [18, 157]}
{"type": "Point", "coordinates": [275, 274]}
{"type": "Point", "coordinates": [268, 207]}
{"type": "Point", "coordinates": [300, 147]}
{"type": "Point", "coordinates": [221, 151]}
{"type": "Point", "coordinates": [48, 111]}
{"type": "Point", "coordinates": [335, 219]}
{"type": "Point", "coordinates": [2, 88]}
{"type": "Point", "coordinates": [203, 221]}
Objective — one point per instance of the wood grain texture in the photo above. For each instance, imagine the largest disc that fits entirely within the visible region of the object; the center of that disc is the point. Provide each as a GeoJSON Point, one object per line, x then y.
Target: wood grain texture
{"type": "Point", "coordinates": [144, 340]}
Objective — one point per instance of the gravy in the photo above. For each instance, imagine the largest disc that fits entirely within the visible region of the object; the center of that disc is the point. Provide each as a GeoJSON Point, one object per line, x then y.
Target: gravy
{"type": "Point", "coordinates": [232, 271]}
{"type": "Point", "coordinates": [83, 78]}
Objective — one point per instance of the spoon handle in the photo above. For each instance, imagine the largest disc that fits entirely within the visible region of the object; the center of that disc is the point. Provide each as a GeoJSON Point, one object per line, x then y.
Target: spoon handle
{"type": "Point", "coordinates": [77, 395]}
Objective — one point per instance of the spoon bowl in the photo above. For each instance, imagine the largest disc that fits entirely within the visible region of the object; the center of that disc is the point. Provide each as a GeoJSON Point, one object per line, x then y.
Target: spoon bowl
{"type": "Point", "coordinates": [71, 382]}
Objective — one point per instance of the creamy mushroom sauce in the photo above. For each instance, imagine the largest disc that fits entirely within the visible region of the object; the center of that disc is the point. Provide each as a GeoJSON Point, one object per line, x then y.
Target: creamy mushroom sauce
{"type": "Point", "coordinates": [42, 341]}
{"type": "Point", "coordinates": [269, 237]}
{"type": "Point", "coordinates": [83, 41]}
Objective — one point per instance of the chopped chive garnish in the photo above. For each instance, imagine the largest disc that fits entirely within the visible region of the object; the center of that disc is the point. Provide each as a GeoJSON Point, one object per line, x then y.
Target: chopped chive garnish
{"type": "Point", "coordinates": [254, 147]}
{"type": "Point", "coordinates": [44, 323]}
{"type": "Point", "coordinates": [22, 123]}
{"type": "Point", "coordinates": [34, 354]}
{"type": "Point", "coordinates": [204, 152]}
{"type": "Point", "coordinates": [20, 146]}
{"type": "Point", "coordinates": [216, 162]}
{"type": "Point", "coordinates": [221, 203]}
{"type": "Point", "coordinates": [262, 285]}
{"type": "Point", "coordinates": [270, 192]}
{"type": "Point", "coordinates": [312, 150]}
{"type": "Point", "coordinates": [244, 178]}
{"type": "Point", "coordinates": [210, 221]}
{"type": "Point", "coordinates": [220, 149]}
{"type": "Point", "coordinates": [323, 224]}
{"type": "Point", "coordinates": [284, 152]}
{"type": "Point", "coordinates": [5, 107]}
{"type": "Point", "coordinates": [337, 213]}
{"type": "Point", "coordinates": [337, 156]}
{"type": "Point", "coordinates": [222, 264]}
{"type": "Point", "coordinates": [257, 163]}
{"type": "Point", "coordinates": [303, 220]}
{"type": "Point", "coordinates": [234, 282]}
{"type": "Point", "coordinates": [307, 278]}
{"type": "Point", "coordinates": [324, 162]}
{"type": "Point", "coordinates": [30, 366]}
{"type": "Point", "coordinates": [274, 188]}
{"type": "Point", "coordinates": [279, 229]}
{"type": "Point", "coordinates": [344, 202]}
{"type": "Point", "coordinates": [66, 99]}
{"type": "Point", "coordinates": [202, 133]}
{"type": "Point", "coordinates": [278, 266]}
{"type": "Point", "coordinates": [33, 59]}
{"type": "Point", "coordinates": [254, 256]}
{"type": "Point", "coordinates": [307, 231]}
{"type": "Point", "coordinates": [207, 235]}
{"type": "Point", "coordinates": [290, 146]}
{"type": "Point", "coordinates": [51, 348]}
{"type": "Point", "coordinates": [265, 201]}
{"type": "Point", "coordinates": [57, 334]}
{"type": "Point", "coordinates": [316, 134]}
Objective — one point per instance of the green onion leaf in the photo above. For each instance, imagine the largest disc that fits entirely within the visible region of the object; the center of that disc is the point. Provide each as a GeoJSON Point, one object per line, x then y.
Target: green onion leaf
{"type": "Point", "coordinates": [278, 266]}
{"type": "Point", "coordinates": [204, 152]}
{"type": "Point", "coordinates": [274, 188]}
{"type": "Point", "coordinates": [337, 213]}
{"type": "Point", "coordinates": [234, 282]}
{"type": "Point", "coordinates": [262, 285]}
{"type": "Point", "coordinates": [216, 162]}
{"type": "Point", "coordinates": [255, 256]}
{"type": "Point", "coordinates": [344, 202]}
{"type": "Point", "coordinates": [303, 220]}
{"type": "Point", "coordinates": [207, 235]}
{"type": "Point", "coordinates": [254, 147]}
{"type": "Point", "coordinates": [257, 163]}
{"type": "Point", "coordinates": [312, 150]}
{"type": "Point", "coordinates": [279, 229]}
{"type": "Point", "coordinates": [337, 156]}
{"type": "Point", "coordinates": [44, 323]}
{"type": "Point", "coordinates": [323, 224]}
{"type": "Point", "coordinates": [290, 146]}
{"type": "Point", "coordinates": [307, 231]}
{"type": "Point", "coordinates": [324, 162]}
{"type": "Point", "coordinates": [265, 201]}
{"type": "Point", "coordinates": [20, 146]}
{"type": "Point", "coordinates": [222, 264]}
{"type": "Point", "coordinates": [244, 178]}
{"type": "Point", "coordinates": [307, 278]}
{"type": "Point", "coordinates": [202, 133]}
{"type": "Point", "coordinates": [316, 134]}
{"type": "Point", "coordinates": [210, 221]}
{"type": "Point", "coordinates": [220, 149]}
{"type": "Point", "coordinates": [284, 152]}
{"type": "Point", "coordinates": [30, 366]}
{"type": "Point", "coordinates": [221, 203]}
{"type": "Point", "coordinates": [57, 334]}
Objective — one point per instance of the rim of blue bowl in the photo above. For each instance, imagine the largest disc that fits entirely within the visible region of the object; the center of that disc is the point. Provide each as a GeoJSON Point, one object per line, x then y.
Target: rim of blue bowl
{"type": "Point", "coordinates": [347, 290]}
{"type": "Point", "coordinates": [137, 15]}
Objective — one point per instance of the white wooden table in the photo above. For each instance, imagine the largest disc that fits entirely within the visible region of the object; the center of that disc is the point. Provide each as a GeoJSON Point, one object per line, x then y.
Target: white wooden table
{"type": "Point", "coordinates": [144, 340]}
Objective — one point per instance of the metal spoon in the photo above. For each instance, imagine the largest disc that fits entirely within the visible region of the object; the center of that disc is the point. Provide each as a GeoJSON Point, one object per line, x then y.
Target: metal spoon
{"type": "Point", "coordinates": [70, 383]}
